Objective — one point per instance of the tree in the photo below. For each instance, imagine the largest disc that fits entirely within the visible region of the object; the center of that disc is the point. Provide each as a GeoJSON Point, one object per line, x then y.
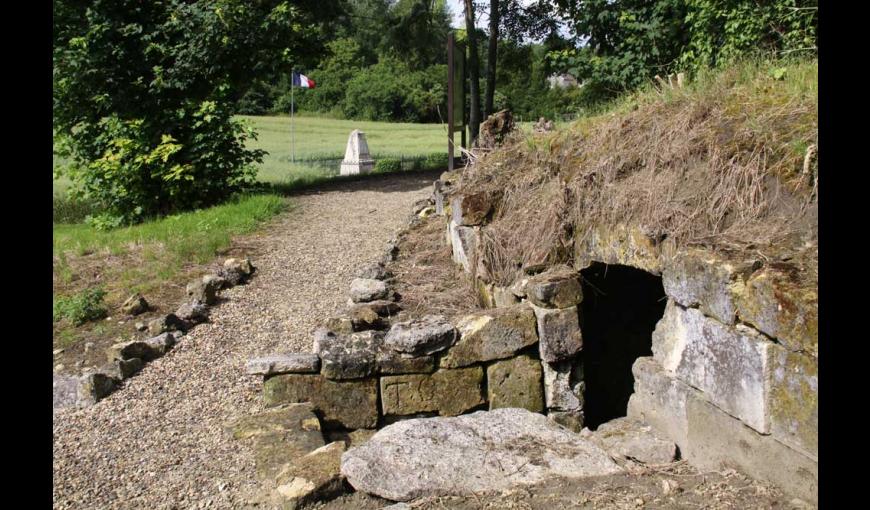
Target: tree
{"type": "Point", "coordinates": [473, 73]}
{"type": "Point", "coordinates": [491, 57]}
{"type": "Point", "coordinates": [142, 94]}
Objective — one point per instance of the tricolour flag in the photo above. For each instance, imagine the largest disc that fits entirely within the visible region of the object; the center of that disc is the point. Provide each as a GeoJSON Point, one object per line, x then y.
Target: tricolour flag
{"type": "Point", "coordinates": [300, 80]}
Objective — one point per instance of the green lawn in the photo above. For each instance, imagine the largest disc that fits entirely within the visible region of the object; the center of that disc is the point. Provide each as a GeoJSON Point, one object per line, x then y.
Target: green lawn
{"type": "Point", "coordinates": [319, 137]}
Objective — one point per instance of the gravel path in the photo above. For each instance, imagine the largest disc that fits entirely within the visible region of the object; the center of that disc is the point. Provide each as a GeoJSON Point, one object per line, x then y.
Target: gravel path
{"type": "Point", "coordinates": [160, 441]}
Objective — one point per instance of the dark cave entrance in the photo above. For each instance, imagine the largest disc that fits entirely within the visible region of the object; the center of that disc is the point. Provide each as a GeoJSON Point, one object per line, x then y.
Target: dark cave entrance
{"type": "Point", "coordinates": [620, 309]}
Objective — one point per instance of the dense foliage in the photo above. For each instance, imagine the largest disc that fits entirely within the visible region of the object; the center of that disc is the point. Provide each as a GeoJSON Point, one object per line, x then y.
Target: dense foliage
{"type": "Point", "coordinates": [144, 94]}
{"type": "Point", "coordinates": [627, 42]}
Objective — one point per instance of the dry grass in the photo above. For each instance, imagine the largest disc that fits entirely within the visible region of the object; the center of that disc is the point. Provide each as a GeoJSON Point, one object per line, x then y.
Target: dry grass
{"type": "Point", "coordinates": [426, 277]}
{"type": "Point", "coordinates": [722, 163]}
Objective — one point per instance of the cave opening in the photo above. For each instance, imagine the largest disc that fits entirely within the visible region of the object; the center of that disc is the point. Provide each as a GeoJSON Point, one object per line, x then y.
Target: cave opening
{"type": "Point", "coordinates": [620, 309]}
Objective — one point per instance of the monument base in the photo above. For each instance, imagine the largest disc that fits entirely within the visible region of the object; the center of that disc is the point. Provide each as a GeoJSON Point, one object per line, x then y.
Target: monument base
{"type": "Point", "coordinates": [360, 167]}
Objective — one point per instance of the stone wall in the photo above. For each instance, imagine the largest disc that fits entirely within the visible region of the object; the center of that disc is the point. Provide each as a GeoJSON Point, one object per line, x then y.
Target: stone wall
{"type": "Point", "coordinates": [733, 379]}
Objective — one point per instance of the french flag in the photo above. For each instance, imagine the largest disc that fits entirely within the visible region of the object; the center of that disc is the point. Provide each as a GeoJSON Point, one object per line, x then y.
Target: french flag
{"type": "Point", "coordinates": [300, 80]}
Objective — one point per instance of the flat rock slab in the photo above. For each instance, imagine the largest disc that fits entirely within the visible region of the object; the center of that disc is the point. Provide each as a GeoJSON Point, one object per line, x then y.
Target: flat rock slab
{"type": "Point", "coordinates": [420, 337]}
{"type": "Point", "coordinates": [490, 335]}
{"type": "Point", "coordinates": [479, 452]}
{"type": "Point", "coordinates": [627, 438]}
{"type": "Point", "coordinates": [297, 363]}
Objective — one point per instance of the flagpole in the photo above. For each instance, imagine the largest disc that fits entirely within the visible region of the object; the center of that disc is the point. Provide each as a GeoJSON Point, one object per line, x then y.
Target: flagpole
{"type": "Point", "coordinates": [292, 134]}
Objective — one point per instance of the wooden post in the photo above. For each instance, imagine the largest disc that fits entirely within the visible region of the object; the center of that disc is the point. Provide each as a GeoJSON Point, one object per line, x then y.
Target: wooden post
{"type": "Point", "coordinates": [451, 43]}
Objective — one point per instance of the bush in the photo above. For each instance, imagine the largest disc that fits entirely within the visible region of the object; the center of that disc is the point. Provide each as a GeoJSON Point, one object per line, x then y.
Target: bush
{"type": "Point", "coordinates": [85, 306]}
{"type": "Point", "coordinates": [436, 161]}
{"type": "Point", "coordinates": [387, 165]}
{"type": "Point", "coordinates": [389, 90]}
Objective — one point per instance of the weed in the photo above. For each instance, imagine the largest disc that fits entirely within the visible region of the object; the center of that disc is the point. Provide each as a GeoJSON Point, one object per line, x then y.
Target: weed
{"type": "Point", "coordinates": [82, 307]}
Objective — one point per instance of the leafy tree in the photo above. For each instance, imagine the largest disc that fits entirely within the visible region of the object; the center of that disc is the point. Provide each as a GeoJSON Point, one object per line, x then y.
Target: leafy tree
{"type": "Point", "coordinates": [142, 94]}
{"type": "Point", "coordinates": [473, 72]}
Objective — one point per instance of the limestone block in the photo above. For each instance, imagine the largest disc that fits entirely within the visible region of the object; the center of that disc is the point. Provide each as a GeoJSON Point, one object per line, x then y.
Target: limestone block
{"type": "Point", "coordinates": [391, 362]}
{"type": "Point", "coordinates": [95, 386]}
{"type": "Point", "coordinates": [493, 334]}
{"type": "Point", "coordinates": [619, 245]}
{"type": "Point", "coordinates": [717, 440]}
{"type": "Point", "coordinates": [732, 366]}
{"type": "Point", "coordinates": [700, 278]}
{"type": "Point", "coordinates": [349, 404]}
{"type": "Point", "coordinates": [779, 304]}
{"type": "Point", "coordinates": [421, 337]}
{"type": "Point", "coordinates": [348, 356]}
{"type": "Point", "coordinates": [659, 399]}
{"type": "Point", "coordinates": [515, 382]}
{"type": "Point", "coordinates": [563, 385]}
{"type": "Point", "coordinates": [794, 401]}
{"type": "Point", "coordinates": [294, 363]}
{"type": "Point", "coordinates": [558, 287]}
{"type": "Point", "coordinates": [464, 241]}
{"type": "Point", "coordinates": [448, 392]}
{"type": "Point", "coordinates": [121, 369]}
{"type": "Point", "coordinates": [559, 332]}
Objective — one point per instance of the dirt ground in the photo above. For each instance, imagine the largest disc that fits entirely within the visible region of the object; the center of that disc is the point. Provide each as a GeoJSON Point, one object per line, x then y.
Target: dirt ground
{"type": "Point", "coordinates": [676, 485]}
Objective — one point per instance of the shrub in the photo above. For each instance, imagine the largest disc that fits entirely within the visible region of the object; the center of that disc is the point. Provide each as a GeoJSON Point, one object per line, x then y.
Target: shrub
{"type": "Point", "coordinates": [79, 308]}
{"type": "Point", "coordinates": [436, 161]}
{"type": "Point", "coordinates": [387, 165]}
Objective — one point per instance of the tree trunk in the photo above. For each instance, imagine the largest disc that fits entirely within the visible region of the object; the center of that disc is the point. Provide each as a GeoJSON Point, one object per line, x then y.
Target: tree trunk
{"type": "Point", "coordinates": [491, 57]}
{"type": "Point", "coordinates": [473, 73]}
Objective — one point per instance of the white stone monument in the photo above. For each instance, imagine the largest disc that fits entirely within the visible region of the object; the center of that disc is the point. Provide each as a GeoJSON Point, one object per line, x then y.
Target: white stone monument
{"type": "Point", "coordinates": [356, 157]}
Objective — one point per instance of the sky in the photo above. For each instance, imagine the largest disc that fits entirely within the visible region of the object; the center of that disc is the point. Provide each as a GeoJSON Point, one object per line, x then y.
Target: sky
{"type": "Point", "coordinates": [457, 9]}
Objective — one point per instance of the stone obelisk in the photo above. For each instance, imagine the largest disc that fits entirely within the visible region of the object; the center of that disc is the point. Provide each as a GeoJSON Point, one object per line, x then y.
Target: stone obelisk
{"type": "Point", "coordinates": [356, 157]}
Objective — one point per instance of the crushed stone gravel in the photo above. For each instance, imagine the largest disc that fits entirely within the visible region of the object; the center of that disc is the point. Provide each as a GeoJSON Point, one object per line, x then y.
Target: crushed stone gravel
{"type": "Point", "coordinates": [161, 441]}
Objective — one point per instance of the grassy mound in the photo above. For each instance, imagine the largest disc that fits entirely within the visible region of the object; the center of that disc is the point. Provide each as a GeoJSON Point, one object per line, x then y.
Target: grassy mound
{"type": "Point", "coordinates": [727, 162]}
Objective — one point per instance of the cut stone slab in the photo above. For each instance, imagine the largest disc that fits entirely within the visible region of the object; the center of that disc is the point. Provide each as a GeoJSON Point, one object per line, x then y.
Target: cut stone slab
{"type": "Point", "coordinates": [515, 382]}
{"type": "Point", "coordinates": [475, 453]}
{"type": "Point", "coordinates": [627, 438]}
{"type": "Point", "coordinates": [448, 392]}
{"type": "Point", "coordinates": [563, 385]}
{"type": "Point", "coordinates": [296, 363]}
{"type": "Point", "coordinates": [349, 404]}
{"type": "Point", "coordinates": [732, 366]}
{"type": "Point", "coordinates": [363, 289]}
{"type": "Point", "coordinates": [717, 440]}
{"type": "Point", "coordinates": [558, 287]}
{"type": "Point", "coordinates": [280, 436]}
{"type": "Point", "coordinates": [313, 477]}
{"type": "Point", "coordinates": [391, 362]}
{"type": "Point", "coordinates": [348, 356]}
{"type": "Point", "coordinates": [700, 278]}
{"type": "Point", "coordinates": [780, 305]}
{"type": "Point", "coordinates": [494, 334]}
{"type": "Point", "coordinates": [464, 241]}
{"type": "Point", "coordinates": [794, 400]}
{"type": "Point", "coordinates": [421, 337]}
{"type": "Point", "coordinates": [659, 399]}
{"type": "Point", "coordinates": [559, 333]}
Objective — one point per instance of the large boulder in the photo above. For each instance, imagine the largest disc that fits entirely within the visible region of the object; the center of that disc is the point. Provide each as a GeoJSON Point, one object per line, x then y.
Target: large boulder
{"type": "Point", "coordinates": [470, 454]}
{"type": "Point", "coordinates": [420, 337]}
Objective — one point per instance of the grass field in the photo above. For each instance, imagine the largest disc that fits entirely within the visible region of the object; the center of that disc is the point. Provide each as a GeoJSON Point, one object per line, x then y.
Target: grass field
{"type": "Point", "coordinates": [317, 137]}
